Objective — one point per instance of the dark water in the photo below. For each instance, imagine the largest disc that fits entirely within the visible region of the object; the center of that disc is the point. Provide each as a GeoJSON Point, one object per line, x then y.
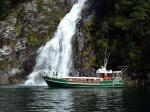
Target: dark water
{"type": "Point", "coordinates": [42, 99]}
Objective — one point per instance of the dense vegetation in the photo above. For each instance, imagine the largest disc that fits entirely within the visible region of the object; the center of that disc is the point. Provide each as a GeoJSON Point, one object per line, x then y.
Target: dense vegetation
{"type": "Point", "coordinates": [6, 7]}
{"type": "Point", "coordinates": [125, 23]}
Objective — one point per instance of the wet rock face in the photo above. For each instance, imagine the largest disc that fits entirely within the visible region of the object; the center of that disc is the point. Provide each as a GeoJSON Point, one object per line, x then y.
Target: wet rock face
{"type": "Point", "coordinates": [30, 25]}
{"type": "Point", "coordinates": [28, 64]}
{"type": "Point", "coordinates": [82, 50]}
{"type": "Point", "coordinates": [84, 53]}
{"type": "Point", "coordinates": [4, 76]}
{"type": "Point", "coordinates": [12, 76]}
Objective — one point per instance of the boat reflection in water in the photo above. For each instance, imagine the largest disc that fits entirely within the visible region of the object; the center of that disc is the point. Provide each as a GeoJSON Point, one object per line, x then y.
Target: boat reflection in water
{"type": "Point", "coordinates": [77, 100]}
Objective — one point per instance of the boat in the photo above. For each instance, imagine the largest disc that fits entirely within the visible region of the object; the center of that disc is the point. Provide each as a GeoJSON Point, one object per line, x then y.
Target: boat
{"type": "Point", "coordinates": [105, 78]}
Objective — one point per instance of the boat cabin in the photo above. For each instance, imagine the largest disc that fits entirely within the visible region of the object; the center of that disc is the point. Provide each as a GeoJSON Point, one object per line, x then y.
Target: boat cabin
{"type": "Point", "coordinates": [108, 74]}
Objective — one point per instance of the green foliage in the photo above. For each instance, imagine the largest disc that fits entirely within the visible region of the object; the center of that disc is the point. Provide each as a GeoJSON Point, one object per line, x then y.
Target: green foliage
{"type": "Point", "coordinates": [93, 62]}
{"type": "Point", "coordinates": [126, 25]}
{"type": "Point", "coordinates": [9, 64]}
{"type": "Point", "coordinates": [121, 22]}
{"type": "Point", "coordinates": [40, 4]}
{"type": "Point", "coordinates": [140, 18]}
{"type": "Point", "coordinates": [5, 8]}
{"type": "Point", "coordinates": [32, 39]}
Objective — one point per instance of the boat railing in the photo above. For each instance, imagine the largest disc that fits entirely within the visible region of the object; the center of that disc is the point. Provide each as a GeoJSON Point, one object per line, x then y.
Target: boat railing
{"type": "Point", "coordinates": [117, 78]}
{"type": "Point", "coordinates": [84, 80]}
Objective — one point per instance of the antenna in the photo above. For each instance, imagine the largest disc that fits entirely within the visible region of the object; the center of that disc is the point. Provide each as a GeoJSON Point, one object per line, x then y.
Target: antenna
{"type": "Point", "coordinates": [106, 57]}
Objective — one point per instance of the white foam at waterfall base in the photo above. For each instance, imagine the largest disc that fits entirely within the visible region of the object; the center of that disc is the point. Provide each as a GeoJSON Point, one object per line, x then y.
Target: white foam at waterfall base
{"type": "Point", "coordinates": [56, 55]}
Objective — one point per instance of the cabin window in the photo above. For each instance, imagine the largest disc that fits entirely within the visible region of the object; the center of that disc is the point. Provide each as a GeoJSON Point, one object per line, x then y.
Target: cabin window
{"type": "Point", "coordinates": [102, 75]}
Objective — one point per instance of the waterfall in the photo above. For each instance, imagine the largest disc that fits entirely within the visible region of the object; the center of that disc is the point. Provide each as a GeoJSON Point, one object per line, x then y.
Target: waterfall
{"type": "Point", "coordinates": [56, 55]}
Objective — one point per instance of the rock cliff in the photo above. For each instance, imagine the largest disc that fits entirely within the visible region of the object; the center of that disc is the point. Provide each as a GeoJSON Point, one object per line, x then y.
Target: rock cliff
{"type": "Point", "coordinates": [28, 27]}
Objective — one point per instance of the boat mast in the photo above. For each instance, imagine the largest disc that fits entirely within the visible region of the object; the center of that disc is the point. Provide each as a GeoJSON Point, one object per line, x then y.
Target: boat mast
{"type": "Point", "coordinates": [106, 57]}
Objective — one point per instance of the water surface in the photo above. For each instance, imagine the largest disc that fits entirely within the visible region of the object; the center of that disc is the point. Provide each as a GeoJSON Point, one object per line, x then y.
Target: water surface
{"type": "Point", "coordinates": [43, 99]}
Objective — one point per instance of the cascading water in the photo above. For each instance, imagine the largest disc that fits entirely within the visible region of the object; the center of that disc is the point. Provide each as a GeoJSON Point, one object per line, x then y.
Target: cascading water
{"type": "Point", "coordinates": [56, 55]}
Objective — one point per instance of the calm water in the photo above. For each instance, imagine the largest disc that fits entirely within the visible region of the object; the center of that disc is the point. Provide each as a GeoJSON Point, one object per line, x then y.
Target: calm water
{"type": "Point", "coordinates": [42, 99]}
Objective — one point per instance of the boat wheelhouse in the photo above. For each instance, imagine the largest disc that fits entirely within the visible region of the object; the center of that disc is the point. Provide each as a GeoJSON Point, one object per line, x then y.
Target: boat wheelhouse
{"type": "Point", "coordinates": [109, 74]}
